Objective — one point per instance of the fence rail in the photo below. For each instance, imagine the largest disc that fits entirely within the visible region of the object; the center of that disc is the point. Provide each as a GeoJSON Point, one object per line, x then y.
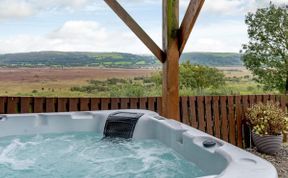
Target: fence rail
{"type": "Point", "coordinates": [221, 116]}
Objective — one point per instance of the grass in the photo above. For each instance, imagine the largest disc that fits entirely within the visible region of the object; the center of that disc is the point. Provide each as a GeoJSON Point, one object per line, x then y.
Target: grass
{"type": "Point", "coordinates": [63, 88]}
{"type": "Point", "coordinates": [43, 84]}
{"type": "Point", "coordinates": [141, 62]}
{"type": "Point", "coordinates": [57, 82]}
{"type": "Point", "coordinates": [56, 88]}
{"type": "Point", "coordinates": [122, 63]}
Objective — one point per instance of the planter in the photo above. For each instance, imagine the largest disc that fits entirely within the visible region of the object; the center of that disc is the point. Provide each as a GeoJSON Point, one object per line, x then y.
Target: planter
{"type": "Point", "coordinates": [269, 144]}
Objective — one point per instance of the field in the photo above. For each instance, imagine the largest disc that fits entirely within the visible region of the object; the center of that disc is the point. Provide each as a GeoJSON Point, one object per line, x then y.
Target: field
{"type": "Point", "coordinates": [59, 81]}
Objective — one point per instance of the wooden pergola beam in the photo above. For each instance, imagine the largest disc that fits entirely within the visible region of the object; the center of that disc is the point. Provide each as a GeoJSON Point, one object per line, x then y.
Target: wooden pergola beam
{"type": "Point", "coordinates": [139, 32]}
{"type": "Point", "coordinates": [174, 41]}
{"type": "Point", "coordinates": [188, 22]}
{"type": "Point", "coordinates": [170, 81]}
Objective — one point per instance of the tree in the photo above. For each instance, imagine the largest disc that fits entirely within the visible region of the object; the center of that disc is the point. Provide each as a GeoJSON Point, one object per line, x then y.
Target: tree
{"type": "Point", "coordinates": [200, 77]}
{"type": "Point", "coordinates": [266, 53]}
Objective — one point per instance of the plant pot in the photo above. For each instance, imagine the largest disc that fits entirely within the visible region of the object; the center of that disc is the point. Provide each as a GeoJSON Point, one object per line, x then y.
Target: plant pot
{"type": "Point", "coordinates": [269, 144]}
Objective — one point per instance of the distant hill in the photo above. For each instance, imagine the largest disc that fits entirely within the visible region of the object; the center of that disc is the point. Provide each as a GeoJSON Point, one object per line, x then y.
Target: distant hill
{"type": "Point", "coordinates": [213, 59]}
{"type": "Point", "coordinates": [73, 59]}
{"type": "Point", "coordinates": [121, 60]}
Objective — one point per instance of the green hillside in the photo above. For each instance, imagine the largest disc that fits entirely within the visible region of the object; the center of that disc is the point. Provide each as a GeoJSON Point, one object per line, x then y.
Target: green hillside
{"type": "Point", "coordinates": [73, 59]}
{"type": "Point", "coordinates": [121, 60]}
{"type": "Point", "coordinates": [213, 59]}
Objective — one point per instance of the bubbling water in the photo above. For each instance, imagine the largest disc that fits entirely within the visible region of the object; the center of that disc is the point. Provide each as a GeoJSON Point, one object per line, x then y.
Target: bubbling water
{"type": "Point", "coordinates": [87, 155]}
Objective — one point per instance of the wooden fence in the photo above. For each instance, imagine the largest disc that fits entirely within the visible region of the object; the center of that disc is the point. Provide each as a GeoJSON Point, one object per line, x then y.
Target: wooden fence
{"type": "Point", "coordinates": [221, 116]}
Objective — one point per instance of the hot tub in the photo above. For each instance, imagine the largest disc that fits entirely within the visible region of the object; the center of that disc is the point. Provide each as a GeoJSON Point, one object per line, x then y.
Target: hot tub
{"type": "Point", "coordinates": [215, 158]}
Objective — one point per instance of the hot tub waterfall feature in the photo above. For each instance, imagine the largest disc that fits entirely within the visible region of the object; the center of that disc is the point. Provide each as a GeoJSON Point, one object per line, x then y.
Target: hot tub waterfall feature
{"type": "Point", "coordinates": [121, 124]}
{"type": "Point", "coordinates": [142, 144]}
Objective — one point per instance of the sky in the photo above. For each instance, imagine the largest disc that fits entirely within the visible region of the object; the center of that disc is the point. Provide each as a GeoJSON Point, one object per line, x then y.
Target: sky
{"type": "Point", "coordinates": [90, 25]}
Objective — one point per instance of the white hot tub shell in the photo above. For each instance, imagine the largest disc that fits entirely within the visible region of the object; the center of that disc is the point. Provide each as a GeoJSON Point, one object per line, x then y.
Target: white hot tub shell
{"type": "Point", "coordinates": [220, 161]}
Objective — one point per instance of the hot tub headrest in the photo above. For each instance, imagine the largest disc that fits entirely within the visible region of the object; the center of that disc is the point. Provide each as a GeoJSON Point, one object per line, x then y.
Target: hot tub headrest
{"type": "Point", "coordinates": [121, 124]}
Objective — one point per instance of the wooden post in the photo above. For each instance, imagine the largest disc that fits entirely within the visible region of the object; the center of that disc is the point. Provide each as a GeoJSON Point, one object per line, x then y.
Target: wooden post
{"type": "Point", "coordinates": [174, 41]}
{"type": "Point", "coordinates": [170, 93]}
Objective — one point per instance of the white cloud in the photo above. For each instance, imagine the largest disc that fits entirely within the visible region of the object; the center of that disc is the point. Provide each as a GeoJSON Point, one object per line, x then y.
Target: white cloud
{"type": "Point", "coordinates": [79, 29]}
{"type": "Point", "coordinates": [219, 6]}
{"type": "Point", "coordinates": [75, 36]}
{"type": "Point", "coordinates": [224, 6]}
{"type": "Point", "coordinates": [15, 9]}
{"type": "Point", "coordinates": [23, 8]}
{"type": "Point", "coordinates": [47, 4]}
{"type": "Point", "coordinates": [220, 37]}
{"type": "Point", "coordinates": [234, 7]}
{"type": "Point", "coordinates": [91, 36]}
{"type": "Point", "coordinates": [10, 9]}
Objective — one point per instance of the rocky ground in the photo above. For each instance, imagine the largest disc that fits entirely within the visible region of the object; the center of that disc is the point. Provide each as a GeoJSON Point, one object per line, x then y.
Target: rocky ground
{"type": "Point", "coordinates": [280, 160]}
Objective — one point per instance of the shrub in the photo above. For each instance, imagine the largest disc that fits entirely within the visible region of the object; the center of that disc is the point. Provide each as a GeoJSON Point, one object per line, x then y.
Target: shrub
{"type": "Point", "coordinates": [133, 90]}
{"type": "Point", "coordinates": [246, 77]}
{"type": "Point", "coordinates": [114, 81]}
{"type": "Point", "coordinates": [139, 78]}
{"type": "Point", "coordinates": [202, 77]}
{"type": "Point", "coordinates": [34, 91]}
{"type": "Point", "coordinates": [250, 88]}
{"type": "Point", "coordinates": [267, 119]}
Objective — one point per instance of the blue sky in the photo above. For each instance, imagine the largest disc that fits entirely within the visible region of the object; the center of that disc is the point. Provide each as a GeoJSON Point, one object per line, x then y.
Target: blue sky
{"type": "Point", "coordinates": [89, 25]}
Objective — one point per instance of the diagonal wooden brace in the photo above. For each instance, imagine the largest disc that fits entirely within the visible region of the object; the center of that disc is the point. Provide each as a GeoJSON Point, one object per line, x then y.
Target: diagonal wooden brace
{"type": "Point", "coordinates": [139, 32]}
{"type": "Point", "coordinates": [188, 22]}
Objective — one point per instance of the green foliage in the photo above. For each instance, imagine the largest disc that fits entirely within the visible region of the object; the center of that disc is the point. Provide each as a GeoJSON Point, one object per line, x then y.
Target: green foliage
{"type": "Point", "coordinates": [267, 119]}
{"type": "Point", "coordinates": [200, 77]}
{"type": "Point", "coordinates": [34, 91]}
{"type": "Point", "coordinates": [194, 80]}
{"type": "Point", "coordinates": [115, 87]}
{"type": "Point", "coordinates": [266, 54]}
{"type": "Point", "coordinates": [156, 78]}
{"type": "Point", "coordinates": [128, 90]}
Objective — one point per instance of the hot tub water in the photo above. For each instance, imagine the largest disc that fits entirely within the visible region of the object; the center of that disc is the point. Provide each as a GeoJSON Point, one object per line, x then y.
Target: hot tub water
{"type": "Point", "coordinates": [86, 154]}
